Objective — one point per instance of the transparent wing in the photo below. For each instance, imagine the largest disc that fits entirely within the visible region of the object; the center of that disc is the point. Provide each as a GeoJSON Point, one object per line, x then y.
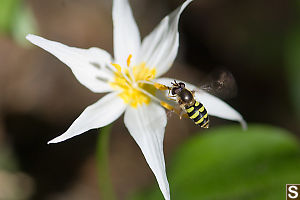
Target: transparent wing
{"type": "Point", "coordinates": [220, 83]}
{"type": "Point", "coordinates": [178, 111]}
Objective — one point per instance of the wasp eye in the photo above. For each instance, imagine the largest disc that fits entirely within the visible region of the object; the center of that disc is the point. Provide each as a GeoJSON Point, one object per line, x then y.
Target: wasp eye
{"type": "Point", "coordinates": [182, 85]}
{"type": "Point", "coordinates": [178, 90]}
{"type": "Point", "coordinates": [173, 91]}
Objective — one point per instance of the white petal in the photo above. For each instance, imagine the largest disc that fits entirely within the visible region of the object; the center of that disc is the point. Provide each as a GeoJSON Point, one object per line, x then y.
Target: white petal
{"type": "Point", "coordinates": [97, 115]}
{"type": "Point", "coordinates": [126, 34]}
{"type": "Point", "coordinates": [159, 48]}
{"type": "Point", "coordinates": [214, 106]}
{"type": "Point", "coordinates": [147, 124]}
{"type": "Point", "coordinates": [219, 108]}
{"type": "Point", "coordinates": [88, 65]}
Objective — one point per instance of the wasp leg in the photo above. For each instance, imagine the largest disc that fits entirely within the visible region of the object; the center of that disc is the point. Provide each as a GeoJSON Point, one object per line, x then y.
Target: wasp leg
{"type": "Point", "coordinates": [169, 97]}
{"type": "Point", "coordinates": [169, 112]}
{"type": "Point", "coordinates": [182, 112]}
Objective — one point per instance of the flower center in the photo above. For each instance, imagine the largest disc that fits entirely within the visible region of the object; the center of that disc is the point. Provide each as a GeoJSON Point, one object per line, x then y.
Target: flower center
{"type": "Point", "coordinates": [130, 81]}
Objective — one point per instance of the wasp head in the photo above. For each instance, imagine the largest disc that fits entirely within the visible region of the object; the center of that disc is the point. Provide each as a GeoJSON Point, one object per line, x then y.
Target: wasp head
{"type": "Point", "coordinates": [177, 87]}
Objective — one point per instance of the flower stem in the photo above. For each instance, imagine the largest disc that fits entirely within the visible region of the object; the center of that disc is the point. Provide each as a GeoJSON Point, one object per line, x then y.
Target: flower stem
{"type": "Point", "coordinates": [105, 183]}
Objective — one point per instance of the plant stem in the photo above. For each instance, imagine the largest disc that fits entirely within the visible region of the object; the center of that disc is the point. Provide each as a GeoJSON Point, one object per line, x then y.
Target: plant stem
{"type": "Point", "coordinates": [105, 183]}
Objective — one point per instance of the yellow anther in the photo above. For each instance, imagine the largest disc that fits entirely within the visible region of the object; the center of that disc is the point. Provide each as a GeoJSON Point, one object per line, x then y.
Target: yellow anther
{"type": "Point", "coordinates": [167, 106]}
{"type": "Point", "coordinates": [118, 67]}
{"type": "Point", "coordinates": [128, 60]}
{"type": "Point", "coordinates": [160, 86]}
{"type": "Point", "coordinates": [171, 108]}
{"type": "Point", "coordinates": [149, 77]}
{"type": "Point", "coordinates": [152, 74]}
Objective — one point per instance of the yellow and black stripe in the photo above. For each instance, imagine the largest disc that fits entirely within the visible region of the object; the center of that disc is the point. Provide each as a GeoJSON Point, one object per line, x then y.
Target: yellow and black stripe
{"type": "Point", "coordinates": [198, 114]}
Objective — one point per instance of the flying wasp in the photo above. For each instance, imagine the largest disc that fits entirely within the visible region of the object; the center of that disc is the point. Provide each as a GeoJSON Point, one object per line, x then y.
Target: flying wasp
{"type": "Point", "coordinates": [185, 98]}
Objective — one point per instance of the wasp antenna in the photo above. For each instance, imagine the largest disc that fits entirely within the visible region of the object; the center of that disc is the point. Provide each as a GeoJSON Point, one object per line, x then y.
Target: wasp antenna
{"type": "Point", "coordinates": [175, 83]}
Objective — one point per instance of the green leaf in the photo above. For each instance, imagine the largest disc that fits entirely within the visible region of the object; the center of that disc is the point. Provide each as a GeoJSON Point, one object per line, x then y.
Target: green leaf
{"type": "Point", "coordinates": [16, 20]}
{"type": "Point", "coordinates": [7, 11]}
{"type": "Point", "coordinates": [104, 178]}
{"type": "Point", "coordinates": [292, 58]}
{"type": "Point", "coordinates": [228, 164]}
{"type": "Point", "coordinates": [7, 159]}
{"type": "Point", "coordinates": [23, 24]}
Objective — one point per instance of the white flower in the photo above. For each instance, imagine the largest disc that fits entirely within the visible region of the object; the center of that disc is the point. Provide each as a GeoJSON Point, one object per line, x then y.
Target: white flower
{"type": "Point", "coordinates": [128, 78]}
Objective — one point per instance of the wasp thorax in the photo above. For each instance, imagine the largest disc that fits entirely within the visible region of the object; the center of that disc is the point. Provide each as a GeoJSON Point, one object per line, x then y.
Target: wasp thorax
{"type": "Point", "coordinates": [186, 96]}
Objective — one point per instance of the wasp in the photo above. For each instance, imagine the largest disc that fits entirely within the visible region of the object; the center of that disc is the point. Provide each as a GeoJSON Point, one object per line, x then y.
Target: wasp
{"type": "Point", "coordinates": [185, 98]}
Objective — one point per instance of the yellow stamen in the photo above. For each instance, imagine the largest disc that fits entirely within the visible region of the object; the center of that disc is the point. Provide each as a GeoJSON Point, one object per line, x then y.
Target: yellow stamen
{"type": "Point", "coordinates": [128, 60]}
{"type": "Point", "coordinates": [118, 67]}
{"type": "Point", "coordinates": [167, 106]}
{"type": "Point", "coordinates": [131, 93]}
{"type": "Point", "coordinates": [160, 86]}
{"type": "Point", "coordinates": [149, 77]}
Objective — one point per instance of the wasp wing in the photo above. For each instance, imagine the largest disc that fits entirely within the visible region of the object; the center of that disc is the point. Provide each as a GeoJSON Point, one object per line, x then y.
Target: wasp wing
{"type": "Point", "coordinates": [220, 83]}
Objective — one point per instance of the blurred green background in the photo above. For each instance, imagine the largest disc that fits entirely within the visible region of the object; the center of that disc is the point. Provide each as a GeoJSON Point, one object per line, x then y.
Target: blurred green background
{"type": "Point", "coordinates": [257, 41]}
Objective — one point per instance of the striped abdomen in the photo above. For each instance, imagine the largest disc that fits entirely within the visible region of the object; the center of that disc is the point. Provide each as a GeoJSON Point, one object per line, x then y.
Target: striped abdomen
{"type": "Point", "coordinates": [198, 114]}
